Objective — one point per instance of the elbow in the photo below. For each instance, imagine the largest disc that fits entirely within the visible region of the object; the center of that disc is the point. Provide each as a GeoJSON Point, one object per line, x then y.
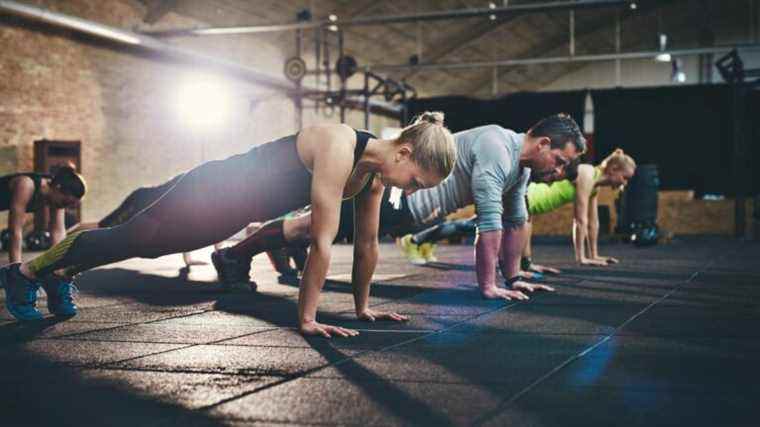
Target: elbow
{"type": "Point", "coordinates": [321, 243]}
{"type": "Point", "coordinates": [321, 247]}
{"type": "Point", "coordinates": [514, 223]}
{"type": "Point", "coordinates": [491, 221]}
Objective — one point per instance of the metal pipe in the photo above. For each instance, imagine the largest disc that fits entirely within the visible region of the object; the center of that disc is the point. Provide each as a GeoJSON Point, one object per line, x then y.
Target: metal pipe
{"type": "Point", "coordinates": [366, 101]}
{"type": "Point", "coordinates": [481, 12]}
{"type": "Point", "coordinates": [342, 80]}
{"type": "Point", "coordinates": [739, 158]}
{"type": "Point", "coordinates": [495, 82]}
{"type": "Point", "coordinates": [561, 59]}
{"type": "Point", "coordinates": [318, 61]}
{"type": "Point", "coordinates": [138, 41]}
{"type": "Point", "coordinates": [397, 19]}
{"type": "Point", "coordinates": [618, 69]}
{"type": "Point", "coordinates": [572, 32]}
{"type": "Point", "coordinates": [298, 99]}
{"type": "Point", "coordinates": [326, 61]}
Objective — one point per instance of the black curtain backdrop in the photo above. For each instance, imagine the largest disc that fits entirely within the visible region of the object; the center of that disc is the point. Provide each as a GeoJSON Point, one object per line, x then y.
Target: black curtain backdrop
{"type": "Point", "coordinates": [686, 130]}
{"type": "Point", "coordinates": [518, 111]}
{"type": "Point", "coordinates": [752, 134]}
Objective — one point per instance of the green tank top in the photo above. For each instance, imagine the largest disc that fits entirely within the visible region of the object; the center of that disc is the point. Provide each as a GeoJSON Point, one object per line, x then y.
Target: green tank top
{"type": "Point", "coordinates": [544, 198]}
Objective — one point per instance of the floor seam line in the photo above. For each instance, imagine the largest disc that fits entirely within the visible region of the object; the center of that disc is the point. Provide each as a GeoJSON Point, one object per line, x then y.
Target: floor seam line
{"type": "Point", "coordinates": [575, 357]}
{"type": "Point", "coordinates": [308, 372]}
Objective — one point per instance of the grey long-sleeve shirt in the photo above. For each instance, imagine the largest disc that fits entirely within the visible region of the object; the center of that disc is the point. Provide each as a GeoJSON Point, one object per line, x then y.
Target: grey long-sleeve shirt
{"type": "Point", "coordinates": [486, 169]}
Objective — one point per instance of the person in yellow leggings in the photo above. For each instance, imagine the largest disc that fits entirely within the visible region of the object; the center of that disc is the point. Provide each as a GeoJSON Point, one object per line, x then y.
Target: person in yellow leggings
{"type": "Point", "coordinates": [581, 187]}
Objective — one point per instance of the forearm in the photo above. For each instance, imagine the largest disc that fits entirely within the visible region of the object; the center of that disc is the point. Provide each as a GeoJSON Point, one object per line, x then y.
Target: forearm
{"type": "Point", "coordinates": [593, 238]}
{"type": "Point", "coordinates": [312, 281]}
{"type": "Point", "coordinates": [513, 242]}
{"type": "Point", "coordinates": [486, 257]}
{"type": "Point", "coordinates": [579, 240]}
{"type": "Point", "coordinates": [527, 249]}
{"type": "Point", "coordinates": [365, 261]}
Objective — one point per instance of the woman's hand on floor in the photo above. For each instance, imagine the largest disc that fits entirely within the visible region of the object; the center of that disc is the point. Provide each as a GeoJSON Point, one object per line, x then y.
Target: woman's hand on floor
{"type": "Point", "coordinates": [593, 261]}
{"type": "Point", "coordinates": [544, 269]}
{"type": "Point", "coordinates": [495, 292]}
{"type": "Point", "coordinates": [530, 287]}
{"type": "Point", "coordinates": [371, 316]}
{"type": "Point", "coordinates": [327, 331]}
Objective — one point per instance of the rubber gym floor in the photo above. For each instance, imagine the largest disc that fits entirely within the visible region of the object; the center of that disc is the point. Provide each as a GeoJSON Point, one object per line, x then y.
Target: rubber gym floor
{"type": "Point", "coordinates": [669, 337]}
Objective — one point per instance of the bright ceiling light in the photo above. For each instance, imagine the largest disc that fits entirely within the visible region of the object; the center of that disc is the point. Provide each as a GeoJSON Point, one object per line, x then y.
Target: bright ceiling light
{"type": "Point", "coordinates": [663, 57]}
{"type": "Point", "coordinates": [662, 39]}
{"type": "Point", "coordinates": [203, 101]}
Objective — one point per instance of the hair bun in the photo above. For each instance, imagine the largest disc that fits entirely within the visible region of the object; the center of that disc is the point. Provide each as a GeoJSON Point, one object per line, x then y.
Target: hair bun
{"type": "Point", "coordinates": [434, 117]}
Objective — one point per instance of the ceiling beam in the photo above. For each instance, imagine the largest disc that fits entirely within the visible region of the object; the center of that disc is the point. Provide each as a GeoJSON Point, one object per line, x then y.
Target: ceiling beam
{"type": "Point", "coordinates": [397, 19]}
{"type": "Point", "coordinates": [584, 31]}
{"type": "Point", "coordinates": [157, 9]}
{"type": "Point", "coordinates": [461, 40]}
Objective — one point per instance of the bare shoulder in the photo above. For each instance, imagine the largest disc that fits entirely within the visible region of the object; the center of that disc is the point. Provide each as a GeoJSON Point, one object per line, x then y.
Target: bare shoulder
{"type": "Point", "coordinates": [585, 172]}
{"type": "Point", "coordinates": [585, 178]}
{"type": "Point", "coordinates": [332, 140]}
{"type": "Point", "coordinates": [329, 132]}
{"type": "Point", "coordinates": [22, 183]}
{"type": "Point", "coordinates": [22, 189]}
{"type": "Point", "coordinates": [329, 145]}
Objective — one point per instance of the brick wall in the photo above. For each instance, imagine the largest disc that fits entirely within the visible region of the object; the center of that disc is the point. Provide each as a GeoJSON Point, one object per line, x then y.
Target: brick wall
{"type": "Point", "coordinates": [121, 104]}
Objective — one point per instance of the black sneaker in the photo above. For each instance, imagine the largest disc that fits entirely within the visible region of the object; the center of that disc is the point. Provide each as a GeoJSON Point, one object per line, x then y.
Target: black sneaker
{"type": "Point", "coordinates": [281, 262]}
{"type": "Point", "coordinates": [299, 255]}
{"type": "Point", "coordinates": [232, 272]}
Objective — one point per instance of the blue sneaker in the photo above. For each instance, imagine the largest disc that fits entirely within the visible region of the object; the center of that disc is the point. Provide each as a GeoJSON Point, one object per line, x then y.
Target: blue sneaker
{"type": "Point", "coordinates": [20, 294]}
{"type": "Point", "coordinates": [60, 295]}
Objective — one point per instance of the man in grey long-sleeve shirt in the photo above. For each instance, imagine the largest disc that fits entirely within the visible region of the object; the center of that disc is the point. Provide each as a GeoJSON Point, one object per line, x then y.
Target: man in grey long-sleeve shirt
{"type": "Point", "coordinates": [488, 166]}
{"type": "Point", "coordinates": [492, 170]}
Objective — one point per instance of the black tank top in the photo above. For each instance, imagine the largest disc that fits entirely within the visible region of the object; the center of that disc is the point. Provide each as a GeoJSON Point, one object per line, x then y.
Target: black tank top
{"type": "Point", "coordinates": [282, 181]}
{"type": "Point", "coordinates": [6, 195]}
{"type": "Point", "coordinates": [362, 137]}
